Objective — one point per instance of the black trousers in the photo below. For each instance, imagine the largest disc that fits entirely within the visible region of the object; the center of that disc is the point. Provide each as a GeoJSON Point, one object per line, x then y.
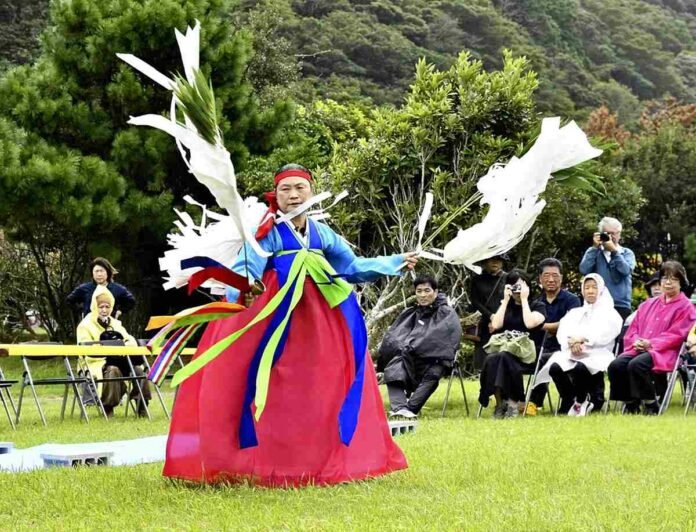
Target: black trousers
{"type": "Point", "coordinates": [624, 312]}
{"type": "Point", "coordinates": [426, 380]}
{"type": "Point", "coordinates": [503, 371]}
{"type": "Point", "coordinates": [576, 384]}
{"type": "Point", "coordinates": [632, 379]}
{"type": "Point", "coordinates": [479, 352]}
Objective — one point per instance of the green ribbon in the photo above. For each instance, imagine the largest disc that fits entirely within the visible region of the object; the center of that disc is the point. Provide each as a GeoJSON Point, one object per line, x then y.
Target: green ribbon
{"type": "Point", "coordinates": [334, 290]}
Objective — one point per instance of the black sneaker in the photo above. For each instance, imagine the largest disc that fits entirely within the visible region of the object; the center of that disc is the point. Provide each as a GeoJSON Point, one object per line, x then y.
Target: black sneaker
{"type": "Point", "coordinates": [631, 408]}
{"type": "Point", "coordinates": [651, 409]}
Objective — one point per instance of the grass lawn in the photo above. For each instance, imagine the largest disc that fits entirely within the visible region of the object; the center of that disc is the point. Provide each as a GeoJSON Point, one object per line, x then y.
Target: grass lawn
{"type": "Point", "coordinates": [545, 473]}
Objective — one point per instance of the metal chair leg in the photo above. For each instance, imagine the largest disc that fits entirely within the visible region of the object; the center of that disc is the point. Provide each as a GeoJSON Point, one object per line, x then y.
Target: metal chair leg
{"type": "Point", "coordinates": [141, 397]}
{"type": "Point", "coordinates": [449, 387]}
{"type": "Point", "coordinates": [7, 411]}
{"type": "Point", "coordinates": [461, 382]}
{"type": "Point", "coordinates": [157, 390]}
{"type": "Point", "coordinates": [76, 390]}
{"type": "Point", "coordinates": [28, 378]}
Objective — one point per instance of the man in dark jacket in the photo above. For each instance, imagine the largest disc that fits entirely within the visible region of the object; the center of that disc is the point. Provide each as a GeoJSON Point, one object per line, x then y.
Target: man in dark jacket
{"type": "Point", "coordinates": [487, 290]}
{"type": "Point", "coordinates": [418, 349]}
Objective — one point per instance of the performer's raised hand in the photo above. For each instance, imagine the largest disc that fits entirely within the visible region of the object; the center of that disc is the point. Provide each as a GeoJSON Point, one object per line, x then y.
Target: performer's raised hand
{"type": "Point", "coordinates": [411, 259]}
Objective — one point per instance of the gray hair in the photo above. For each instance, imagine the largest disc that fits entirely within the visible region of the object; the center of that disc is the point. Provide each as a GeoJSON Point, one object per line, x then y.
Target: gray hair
{"type": "Point", "coordinates": [608, 221]}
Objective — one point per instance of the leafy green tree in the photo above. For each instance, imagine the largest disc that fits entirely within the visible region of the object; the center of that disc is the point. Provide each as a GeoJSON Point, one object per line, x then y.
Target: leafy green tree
{"type": "Point", "coordinates": [76, 170]}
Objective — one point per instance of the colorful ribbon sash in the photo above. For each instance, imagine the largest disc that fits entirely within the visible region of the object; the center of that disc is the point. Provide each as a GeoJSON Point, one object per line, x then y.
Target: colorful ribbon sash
{"type": "Point", "coordinates": [293, 266]}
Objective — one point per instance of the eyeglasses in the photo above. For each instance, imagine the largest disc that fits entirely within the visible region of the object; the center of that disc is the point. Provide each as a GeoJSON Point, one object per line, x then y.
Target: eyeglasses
{"type": "Point", "coordinates": [550, 276]}
{"type": "Point", "coordinates": [670, 280]}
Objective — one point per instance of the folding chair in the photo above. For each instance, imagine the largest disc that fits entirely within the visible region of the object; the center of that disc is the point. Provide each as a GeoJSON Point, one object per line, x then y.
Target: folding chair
{"type": "Point", "coordinates": [456, 371]}
{"type": "Point", "coordinates": [531, 381]}
{"type": "Point", "coordinates": [133, 380]}
{"type": "Point", "coordinates": [690, 370]}
{"type": "Point", "coordinates": [672, 380]}
{"type": "Point", "coordinates": [6, 398]}
{"type": "Point", "coordinates": [70, 381]}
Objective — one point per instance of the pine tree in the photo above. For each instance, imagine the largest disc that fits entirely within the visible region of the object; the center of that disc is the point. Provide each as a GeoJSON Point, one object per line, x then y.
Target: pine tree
{"type": "Point", "coordinates": [74, 171]}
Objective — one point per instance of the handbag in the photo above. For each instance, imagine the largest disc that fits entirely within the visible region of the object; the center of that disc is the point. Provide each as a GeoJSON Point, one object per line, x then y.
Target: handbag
{"type": "Point", "coordinates": [516, 343]}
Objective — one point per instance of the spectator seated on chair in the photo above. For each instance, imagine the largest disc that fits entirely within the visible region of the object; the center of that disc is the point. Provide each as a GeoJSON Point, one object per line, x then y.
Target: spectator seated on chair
{"type": "Point", "coordinates": [558, 301]}
{"type": "Point", "coordinates": [653, 340]}
{"type": "Point", "coordinates": [586, 337]}
{"type": "Point", "coordinates": [419, 348]}
{"type": "Point", "coordinates": [510, 355]}
{"type": "Point", "coordinates": [99, 325]}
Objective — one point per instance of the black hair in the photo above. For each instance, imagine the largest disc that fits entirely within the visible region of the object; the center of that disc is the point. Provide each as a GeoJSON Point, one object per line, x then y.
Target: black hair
{"type": "Point", "coordinates": [675, 269]}
{"type": "Point", "coordinates": [104, 263]}
{"type": "Point", "coordinates": [550, 263]}
{"type": "Point", "coordinates": [515, 275]}
{"type": "Point", "coordinates": [425, 279]}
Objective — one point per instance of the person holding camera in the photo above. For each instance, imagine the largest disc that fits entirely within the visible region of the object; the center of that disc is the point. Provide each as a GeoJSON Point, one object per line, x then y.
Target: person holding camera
{"type": "Point", "coordinates": [613, 262]}
{"type": "Point", "coordinates": [512, 353]}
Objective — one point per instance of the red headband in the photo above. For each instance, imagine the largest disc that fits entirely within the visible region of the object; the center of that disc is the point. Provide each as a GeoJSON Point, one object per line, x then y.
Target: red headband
{"type": "Point", "coordinates": [293, 172]}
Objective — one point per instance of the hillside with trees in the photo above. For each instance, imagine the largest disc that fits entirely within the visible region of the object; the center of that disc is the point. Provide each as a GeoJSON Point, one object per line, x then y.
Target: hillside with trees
{"type": "Point", "coordinates": [381, 97]}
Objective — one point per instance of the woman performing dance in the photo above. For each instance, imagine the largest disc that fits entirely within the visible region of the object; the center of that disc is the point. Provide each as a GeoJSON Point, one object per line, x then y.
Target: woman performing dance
{"type": "Point", "coordinates": [323, 421]}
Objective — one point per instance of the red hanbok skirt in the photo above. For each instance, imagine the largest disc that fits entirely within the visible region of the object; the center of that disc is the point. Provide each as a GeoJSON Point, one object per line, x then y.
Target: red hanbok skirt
{"type": "Point", "coordinates": [298, 434]}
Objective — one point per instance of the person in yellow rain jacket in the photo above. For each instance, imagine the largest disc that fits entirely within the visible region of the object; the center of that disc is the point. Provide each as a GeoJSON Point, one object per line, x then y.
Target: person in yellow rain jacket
{"type": "Point", "coordinates": [100, 325]}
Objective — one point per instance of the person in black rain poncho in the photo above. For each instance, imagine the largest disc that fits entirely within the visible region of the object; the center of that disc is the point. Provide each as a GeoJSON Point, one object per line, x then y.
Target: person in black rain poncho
{"type": "Point", "coordinates": [419, 348]}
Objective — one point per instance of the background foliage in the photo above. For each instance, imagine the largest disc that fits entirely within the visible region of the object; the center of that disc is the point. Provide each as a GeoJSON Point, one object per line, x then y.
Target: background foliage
{"type": "Point", "coordinates": [384, 98]}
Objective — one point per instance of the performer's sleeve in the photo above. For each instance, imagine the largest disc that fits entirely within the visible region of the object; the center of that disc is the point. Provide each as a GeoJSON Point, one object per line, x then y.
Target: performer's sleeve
{"type": "Point", "coordinates": [250, 264]}
{"type": "Point", "coordinates": [356, 269]}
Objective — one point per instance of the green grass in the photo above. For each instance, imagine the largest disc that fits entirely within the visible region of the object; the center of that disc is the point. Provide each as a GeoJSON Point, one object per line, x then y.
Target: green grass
{"type": "Point", "coordinates": [544, 473]}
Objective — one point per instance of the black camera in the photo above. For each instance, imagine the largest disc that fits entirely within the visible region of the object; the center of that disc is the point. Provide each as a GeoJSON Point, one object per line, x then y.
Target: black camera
{"type": "Point", "coordinates": [604, 237]}
{"type": "Point", "coordinates": [516, 288]}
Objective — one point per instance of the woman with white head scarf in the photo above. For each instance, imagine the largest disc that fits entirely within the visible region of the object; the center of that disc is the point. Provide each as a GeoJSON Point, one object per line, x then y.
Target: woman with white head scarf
{"type": "Point", "coordinates": [586, 336]}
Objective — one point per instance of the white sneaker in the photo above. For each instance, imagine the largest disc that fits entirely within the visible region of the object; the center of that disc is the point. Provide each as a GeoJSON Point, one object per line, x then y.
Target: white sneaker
{"type": "Point", "coordinates": [585, 408]}
{"type": "Point", "coordinates": [575, 410]}
{"type": "Point", "coordinates": [405, 412]}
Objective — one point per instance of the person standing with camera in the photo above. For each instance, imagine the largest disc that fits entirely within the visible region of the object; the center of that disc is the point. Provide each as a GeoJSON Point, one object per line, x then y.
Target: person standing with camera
{"type": "Point", "coordinates": [613, 262]}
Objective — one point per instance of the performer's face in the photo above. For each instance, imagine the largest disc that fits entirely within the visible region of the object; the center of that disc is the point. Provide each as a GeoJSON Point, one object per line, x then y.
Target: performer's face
{"type": "Point", "coordinates": [292, 192]}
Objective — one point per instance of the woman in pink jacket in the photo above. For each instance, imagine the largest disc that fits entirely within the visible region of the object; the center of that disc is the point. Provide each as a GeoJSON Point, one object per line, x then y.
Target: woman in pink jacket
{"type": "Point", "coordinates": [653, 341]}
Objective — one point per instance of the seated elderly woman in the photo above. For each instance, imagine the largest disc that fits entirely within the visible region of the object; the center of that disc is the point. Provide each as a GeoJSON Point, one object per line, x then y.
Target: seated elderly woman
{"type": "Point", "coordinates": [586, 336]}
{"type": "Point", "coordinates": [99, 325]}
{"type": "Point", "coordinates": [512, 353]}
{"type": "Point", "coordinates": [653, 340]}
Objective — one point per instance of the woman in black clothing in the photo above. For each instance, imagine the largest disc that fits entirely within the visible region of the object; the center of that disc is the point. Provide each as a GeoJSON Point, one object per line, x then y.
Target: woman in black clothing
{"type": "Point", "coordinates": [502, 372]}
